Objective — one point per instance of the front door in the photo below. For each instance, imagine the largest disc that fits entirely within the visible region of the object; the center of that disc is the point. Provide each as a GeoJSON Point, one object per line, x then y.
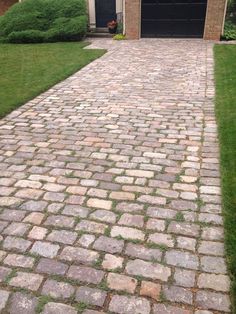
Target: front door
{"type": "Point", "coordinates": [105, 12]}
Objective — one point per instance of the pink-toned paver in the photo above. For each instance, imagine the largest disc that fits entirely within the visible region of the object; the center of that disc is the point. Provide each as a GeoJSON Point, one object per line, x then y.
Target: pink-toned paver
{"type": "Point", "coordinates": [110, 191]}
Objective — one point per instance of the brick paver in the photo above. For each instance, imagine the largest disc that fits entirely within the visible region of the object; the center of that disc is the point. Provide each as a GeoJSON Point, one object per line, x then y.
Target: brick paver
{"type": "Point", "coordinates": [110, 191]}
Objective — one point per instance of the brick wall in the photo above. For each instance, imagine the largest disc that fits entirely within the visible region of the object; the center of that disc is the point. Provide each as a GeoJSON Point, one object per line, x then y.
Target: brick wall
{"type": "Point", "coordinates": [5, 5]}
{"type": "Point", "coordinates": [132, 18]}
{"type": "Point", "coordinates": [214, 19]}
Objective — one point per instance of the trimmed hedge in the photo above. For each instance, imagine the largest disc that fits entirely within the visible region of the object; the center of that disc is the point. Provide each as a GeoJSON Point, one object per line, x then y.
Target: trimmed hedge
{"type": "Point", "coordinates": [35, 21]}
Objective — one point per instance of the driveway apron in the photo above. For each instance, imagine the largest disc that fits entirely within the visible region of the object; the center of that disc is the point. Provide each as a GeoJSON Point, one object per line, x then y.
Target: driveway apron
{"type": "Point", "coordinates": [110, 190]}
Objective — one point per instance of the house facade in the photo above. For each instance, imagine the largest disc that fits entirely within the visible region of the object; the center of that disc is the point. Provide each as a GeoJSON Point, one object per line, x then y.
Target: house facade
{"type": "Point", "coordinates": [156, 18]}
{"type": "Point", "coordinates": [162, 18]}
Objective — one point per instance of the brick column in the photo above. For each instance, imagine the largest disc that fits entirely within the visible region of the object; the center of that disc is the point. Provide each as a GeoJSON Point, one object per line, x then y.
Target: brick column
{"type": "Point", "coordinates": [5, 5]}
{"type": "Point", "coordinates": [132, 19]}
{"type": "Point", "coordinates": [214, 19]}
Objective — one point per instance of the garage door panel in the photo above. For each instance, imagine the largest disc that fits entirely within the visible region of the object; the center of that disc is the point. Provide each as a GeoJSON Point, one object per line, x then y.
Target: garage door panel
{"type": "Point", "coordinates": [181, 29]}
{"type": "Point", "coordinates": [164, 28]}
{"type": "Point", "coordinates": [177, 18]}
{"type": "Point", "coordinates": [187, 29]}
{"type": "Point", "coordinates": [157, 11]}
{"type": "Point", "coordinates": [188, 11]}
{"type": "Point", "coordinates": [170, 11]}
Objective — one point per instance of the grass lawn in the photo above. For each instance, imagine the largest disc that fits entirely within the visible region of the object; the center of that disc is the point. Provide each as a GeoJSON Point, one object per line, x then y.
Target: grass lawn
{"type": "Point", "coordinates": [28, 70]}
{"type": "Point", "coordinates": [225, 74]}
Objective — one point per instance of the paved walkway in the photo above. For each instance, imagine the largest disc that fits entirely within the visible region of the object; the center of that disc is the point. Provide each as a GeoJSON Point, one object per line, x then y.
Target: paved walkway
{"type": "Point", "coordinates": [110, 188]}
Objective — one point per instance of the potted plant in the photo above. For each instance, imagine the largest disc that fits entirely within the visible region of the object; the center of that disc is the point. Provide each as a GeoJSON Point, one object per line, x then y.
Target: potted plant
{"type": "Point", "coordinates": [112, 26]}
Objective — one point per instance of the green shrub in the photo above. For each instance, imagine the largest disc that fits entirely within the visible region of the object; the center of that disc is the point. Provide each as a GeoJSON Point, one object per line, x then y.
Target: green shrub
{"type": "Point", "coordinates": [66, 29]}
{"type": "Point", "coordinates": [229, 31]}
{"type": "Point", "coordinates": [119, 37]}
{"type": "Point", "coordinates": [120, 28]}
{"type": "Point", "coordinates": [29, 36]}
{"type": "Point", "coordinates": [53, 19]}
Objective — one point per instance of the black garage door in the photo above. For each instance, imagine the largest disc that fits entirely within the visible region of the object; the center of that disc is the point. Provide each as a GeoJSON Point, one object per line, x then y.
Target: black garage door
{"type": "Point", "coordinates": [173, 18]}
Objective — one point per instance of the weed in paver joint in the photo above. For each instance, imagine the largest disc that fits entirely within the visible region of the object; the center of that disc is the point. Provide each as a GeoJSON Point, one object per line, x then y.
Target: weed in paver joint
{"type": "Point", "coordinates": [107, 232]}
{"type": "Point", "coordinates": [179, 217]}
{"type": "Point", "coordinates": [162, 297]}
{"type": "Point", "coordinates": [34, 255]}
{"type": "Point", "coordinates": [161, 247]}
{"type": "Point", "coordinates": [204, 224]}
{"type": "Point", "coordinates": [42, 301]}
{"type": "Point", "coordinates": [77, 220]}
{"type": "Point", "coordinates": [139, 277]}
{"type": "Point", "coordinates": [135, 241]}
{"type": "Point", "coordinates": [81, 232]}
{"type": "Point", "coordinates": [71, 281]}
{"type": "Point", "coordinates": [168, 200]}
{"type": "Point", "coordinates": [154, 260]}
{"type": "Point", "coordinates": [21, 290]}
{"type": "Point", "coordinates": [119, 237]}
{"type": "Point", "coordinates": [113, 206]}
{"type": "Point", "coordinates": [81, 306]}
{"type": "Point", "coordinates": [200, 202]}
{"type": "Point", "coordinates": [12, 274]}
{"type": "Point", "coordinates": [118, 214]}
{"type": "Point", "coordinates": [69, 174]}
{"type": "Point", "coordinates": [103, 285]}
{"type": "Point", "coordinates": [97, 263]}
{"type": "Point", "coordinates": [178, 178]}
{"type": "Point", "coordinates": [117, 270]}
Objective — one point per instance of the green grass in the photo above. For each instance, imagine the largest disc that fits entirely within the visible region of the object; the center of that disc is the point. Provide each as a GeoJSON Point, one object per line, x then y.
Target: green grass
{"type": "Point", "coordinates": [28, 70]}
{"type": "Point", "coordinates": [225, 75]}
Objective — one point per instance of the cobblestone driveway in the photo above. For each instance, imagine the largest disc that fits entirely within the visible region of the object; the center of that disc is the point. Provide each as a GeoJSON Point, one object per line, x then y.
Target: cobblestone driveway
{"type": "Point", "coordinates": [110, 190]}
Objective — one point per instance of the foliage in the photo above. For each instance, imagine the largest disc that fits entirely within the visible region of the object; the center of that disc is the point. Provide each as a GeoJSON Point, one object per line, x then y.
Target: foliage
{"type": "Point", "coordinates": [28, 36]}
{"type": "Point", "coordinates": [44, 20]}
{"type": "Point", "coordinates": [28, 70]}
{"type": "Point", "coordinates": [225, 76]}
{"type": "Point", "coordinates": [230, 24]}
{"type": "Point", "coordinates": [120, 28]}
{"type": "Point", "coordinates": [231, 11]}
{"type": "Point", "coordinates": [229, 31]}
{"type": "Point", "coordinates": [119, 37]}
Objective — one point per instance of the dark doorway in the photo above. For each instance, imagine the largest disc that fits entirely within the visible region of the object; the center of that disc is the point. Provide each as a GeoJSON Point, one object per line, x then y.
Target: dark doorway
{"type": "Point", "coordinates": [173, 18]}
{"type": "Point", "coordinates": [105, 12]}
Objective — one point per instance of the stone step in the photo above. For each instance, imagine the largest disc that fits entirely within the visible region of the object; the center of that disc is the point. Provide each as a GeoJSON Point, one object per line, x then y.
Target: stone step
{"type": "Point", "coordinates": [99, 35]}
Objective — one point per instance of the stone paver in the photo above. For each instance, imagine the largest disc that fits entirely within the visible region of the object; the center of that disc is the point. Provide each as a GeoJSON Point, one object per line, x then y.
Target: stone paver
{"type": "Point", "coordinates": [110, 188]}
{"type": "Point", "coordinates": [21, 303]}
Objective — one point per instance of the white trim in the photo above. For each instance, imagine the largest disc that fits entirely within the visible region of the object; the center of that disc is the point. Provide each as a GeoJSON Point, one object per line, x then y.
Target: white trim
{"type": "Point", "coordinates": [92, 14]}
{"type": "Point", "coordinates": [119, 6]}
{"type": "Point", "coordinates": [124, 18]}
{"type": "Point", "coordinates": [223, 24]}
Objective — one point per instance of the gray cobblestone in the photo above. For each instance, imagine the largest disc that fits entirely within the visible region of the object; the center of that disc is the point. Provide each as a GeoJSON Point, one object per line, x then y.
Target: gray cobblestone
{"type": "Point", "coordinates": [90, 296]}
{"type": "Point", "coordinates": [58, 290]}
{"type": "Point", "coordinates": [22, 304]}
{"type": "Point", "coordinates": [112, 178]}
{"type": "Point", "coordinates": [126, 305]}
